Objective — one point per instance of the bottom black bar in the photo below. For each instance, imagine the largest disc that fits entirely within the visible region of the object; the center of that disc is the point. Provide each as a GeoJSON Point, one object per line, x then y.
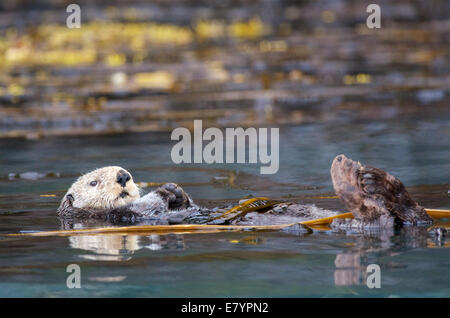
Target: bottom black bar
{"type": "Point", "coordinates": [214, 307]}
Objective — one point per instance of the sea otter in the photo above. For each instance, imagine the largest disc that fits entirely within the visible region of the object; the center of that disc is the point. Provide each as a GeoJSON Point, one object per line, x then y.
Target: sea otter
{"type": "Point", "coordinates": [376, 198]}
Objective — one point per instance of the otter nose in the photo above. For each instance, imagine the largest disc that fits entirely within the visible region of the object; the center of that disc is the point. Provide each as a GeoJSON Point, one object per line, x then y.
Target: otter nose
{"type": "Point", "coordinates": [123, 178]}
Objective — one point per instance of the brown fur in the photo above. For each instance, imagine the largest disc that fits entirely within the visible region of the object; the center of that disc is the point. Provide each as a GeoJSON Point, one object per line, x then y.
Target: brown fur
{"type": "Point", "coordinates": [371, 193]}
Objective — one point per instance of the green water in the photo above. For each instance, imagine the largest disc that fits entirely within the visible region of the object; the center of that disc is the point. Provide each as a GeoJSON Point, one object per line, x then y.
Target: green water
{"type": "Point", "coordinates": [223, 264]}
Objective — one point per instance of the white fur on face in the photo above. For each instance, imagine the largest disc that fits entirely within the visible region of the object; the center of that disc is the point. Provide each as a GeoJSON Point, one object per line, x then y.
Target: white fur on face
{"type": "Point", "coordinates": [106, 193]}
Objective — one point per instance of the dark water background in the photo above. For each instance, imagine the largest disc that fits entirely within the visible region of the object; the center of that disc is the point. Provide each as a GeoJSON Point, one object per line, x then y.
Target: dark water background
{"type": "Point", "coordinates": [331, 85]}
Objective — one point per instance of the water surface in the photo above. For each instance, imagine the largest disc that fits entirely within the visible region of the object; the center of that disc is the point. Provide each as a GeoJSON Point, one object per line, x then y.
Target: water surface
{"type": "Point", "coordinates": [222, 264]}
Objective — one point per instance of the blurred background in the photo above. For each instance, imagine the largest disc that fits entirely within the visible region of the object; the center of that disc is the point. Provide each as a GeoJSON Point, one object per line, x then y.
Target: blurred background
{"type": "Point", "coordinates": [156, 65]}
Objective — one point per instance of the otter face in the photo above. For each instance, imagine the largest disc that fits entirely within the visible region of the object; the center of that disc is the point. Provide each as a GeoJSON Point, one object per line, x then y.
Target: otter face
{"type": "Point", "coordinates": [104, 188]}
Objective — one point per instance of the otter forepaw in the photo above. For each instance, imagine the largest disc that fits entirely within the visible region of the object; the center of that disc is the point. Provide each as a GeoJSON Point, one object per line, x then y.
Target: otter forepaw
{"type": "Point", "coordinates": [175, 195]}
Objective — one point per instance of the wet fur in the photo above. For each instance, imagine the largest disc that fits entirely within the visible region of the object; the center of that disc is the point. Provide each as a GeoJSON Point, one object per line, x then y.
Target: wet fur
{"type": "Point", "coordinates": [374, 196]}
{"type": "Point", "coordinates": [105, 201]}
{"type": "Point", "coordinates": [376, 199]}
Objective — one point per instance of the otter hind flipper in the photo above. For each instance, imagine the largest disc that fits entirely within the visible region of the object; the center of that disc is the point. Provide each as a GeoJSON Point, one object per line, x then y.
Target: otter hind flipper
{"type": "Point", "coordinates": [371, 193]}
{"type": "Point", "coordinates": [356, 189]}
{"type": "Point", "coordinates": [391, 195]}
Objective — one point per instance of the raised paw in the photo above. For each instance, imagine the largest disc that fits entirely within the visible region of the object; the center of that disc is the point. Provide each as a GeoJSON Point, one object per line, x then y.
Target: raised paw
{"type": "Point", "coordinates": [175, 195]}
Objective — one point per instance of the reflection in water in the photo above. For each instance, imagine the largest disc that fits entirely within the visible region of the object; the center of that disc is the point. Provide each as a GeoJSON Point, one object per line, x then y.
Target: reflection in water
{"type": "Point", "coordinates": [107, 279]}
{"type": "Point", "coordinates": [351, 266]}
{"type": "Point", "coordinates": [348, 269]}
{"type": "Point", "coordinates": [114, 247]}
{"type": "Point", "coordinates": [106, 247]}
{"type": "Point", "coordinates": [159, 242]}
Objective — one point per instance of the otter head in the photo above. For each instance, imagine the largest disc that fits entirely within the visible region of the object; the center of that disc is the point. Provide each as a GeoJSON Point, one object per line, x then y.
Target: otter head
{"type": "Point", "coordinates": [104, 188]}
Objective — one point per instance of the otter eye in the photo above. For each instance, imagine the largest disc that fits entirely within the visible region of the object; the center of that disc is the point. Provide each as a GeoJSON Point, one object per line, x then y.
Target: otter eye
{"type": "Point", "coordinates": [93, 183]}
